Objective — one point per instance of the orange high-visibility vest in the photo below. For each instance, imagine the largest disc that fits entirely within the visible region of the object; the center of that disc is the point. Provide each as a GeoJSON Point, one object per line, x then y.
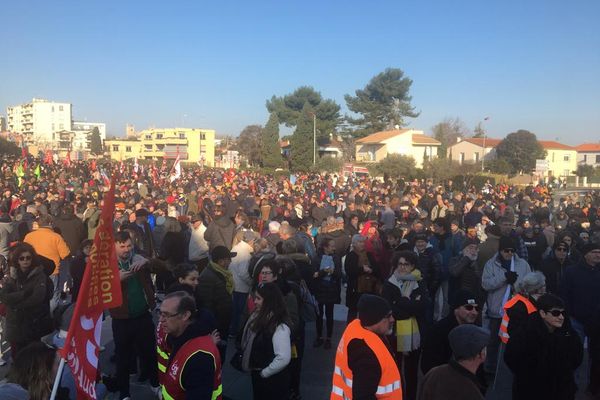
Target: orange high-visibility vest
{"type": "Point", "coordinates": [503, 333]}
{"type": "Point", "coordinates": [390, 386]}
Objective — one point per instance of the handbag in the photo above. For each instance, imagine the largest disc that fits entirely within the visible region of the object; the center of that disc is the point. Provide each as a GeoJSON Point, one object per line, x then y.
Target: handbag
{"type": "Point", "coordinates": [236, 360]}
{"type": "Point", "coordinates": [367, 283]}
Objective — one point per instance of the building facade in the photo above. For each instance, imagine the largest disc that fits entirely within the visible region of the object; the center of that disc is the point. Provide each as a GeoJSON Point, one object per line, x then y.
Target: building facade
{"type": "Point", "coordinates": [39, 120]}
{"type": "Point", "coordinates": [191, 144]}
{"type": "Point", "coordinates": [2, 123]}
{"type": "Point", "coordinates": [562, 159]}
{"type": "Point", "coordinates": [408, 142]}
{"type": "Point", "coordinates": [588, 154]}
{"type": "Point", "coordinates": [471, 150]}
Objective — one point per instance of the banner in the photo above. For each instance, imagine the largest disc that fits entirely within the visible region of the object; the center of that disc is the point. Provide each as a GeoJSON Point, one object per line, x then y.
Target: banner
{"type": "Point", "coordinates": [100, 289]}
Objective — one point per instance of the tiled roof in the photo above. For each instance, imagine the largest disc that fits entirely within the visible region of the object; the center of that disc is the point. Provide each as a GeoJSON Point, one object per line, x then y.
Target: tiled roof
{"type": "Point", "coordinates": [422, 139]}
{"type": "Point", "coordinates": [592, 147]}
{"type": "Point", "coordinates": [379, 137]}
{"type": "Point", "coordinates": [552, 145]}
{"type": "Point", "coordinates": [489, 142]}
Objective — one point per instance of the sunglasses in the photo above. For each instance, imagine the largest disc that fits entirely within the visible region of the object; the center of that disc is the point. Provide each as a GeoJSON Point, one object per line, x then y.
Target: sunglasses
{"type": "Point", "coordinates": [470, 307]}
{"type": "Point", "coordinates": [25, 258]}
{"type": "Point", "coordinates": [561, 249]}
{"type": "Point", "coordinates": [508, 250]}
{"type": "Point", "coordinates": [556, 313]}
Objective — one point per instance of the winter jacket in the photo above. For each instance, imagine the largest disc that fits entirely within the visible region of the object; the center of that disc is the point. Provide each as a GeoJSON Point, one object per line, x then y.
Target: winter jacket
{"type": "Point", "coordinates": [543, 363]}
{"type": "Point", "coordinates": [353, 271]}
{"type": "Point", "coordinates": [554, 270]}
{"type": "Point", "coordinates": [436, 347]}
{"type": "Point", "coordinates": [242, 281]}
{"type": "Point", "coordinates": [494, 282]}
{"type": "Point", "coordinates": [327, 288]}
{"type": "Point", "coordinates": [430, 265]}
{"type": "Point", "coordinates": [341, 239]}
{"type": "Point", "coordinates": [448, 246]}
{"type": "Point", "coordinates": [212, 290]}
{"type": "Point", "coordinates": [580, 289]}
{"type": "Point", "coordinates": [465, 274]}
{"type": "Point", "coordinates": [198, 247]}
{"type": "Point", "coordinates": [49, 244]}
{"type": "Point", "coordinates": [406, 307]}
{"type": "Point", "coordinates": [27, 300]}
{"type": "Point", "coordinates": [220, 233]}
{"type": "Point", "coordinates": [487, 250]}
{"type": "Point", "coordinates": [145, 281]}
{"type": "Point", "coordinates": [72, 230]}
{"type": "Point", "coordinates": [91, 219]}
{"type": "Point", "coordinates": [451, 381]}
{"type": "Point", "coordinates": [6, 230]}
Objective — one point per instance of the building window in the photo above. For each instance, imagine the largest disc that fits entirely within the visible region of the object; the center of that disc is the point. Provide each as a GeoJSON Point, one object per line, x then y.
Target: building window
{"type": "Point", "coordinates": [552, 156]}
{"type": "Point", "coordinates": [566, 172]}
{"type": "Point", "coordinates": [476, 156]}
{"type": "Point", "coordinates": [60, 108]}
{"type": "Point", "coordinates": [461, 158]}
{"type": "Point", "coordinates": [61, 126]}
{"type": "Point", "coordinates": [585, 158]}
{"type": "Point", "coordinates": [128, 149]}
{"type": "Point", "coordinates": [159, 135]}
{"type": "Point", "coordinates": [52, 108]}
{"type": "Point", "coordinates": [202, 136]}
{"type": "Point", "coordinates": [115, 147]}
{"type": "Point", "coordinates": [597, 159]}
{"type": "Point", "coordinates": [52, 126]}
{"type": "Point", "coordinates": [566, 157]}
{"type": "Point", "coordinates": [149, 137]}
{"type": "Point", "coordinates": [181, 135]}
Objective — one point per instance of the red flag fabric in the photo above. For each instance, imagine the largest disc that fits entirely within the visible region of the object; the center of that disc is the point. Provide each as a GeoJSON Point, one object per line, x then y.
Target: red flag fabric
{"type": "Point", "coordinates": [93, 165]}
{"type": "Point", "coordinates": [48, 158]}
{"type": "Point", "coordinates": [68, 159]}
{"type": "Point", "coordinates": [23, 152]}
{"type": "Point", "coordinates": [100, 289]}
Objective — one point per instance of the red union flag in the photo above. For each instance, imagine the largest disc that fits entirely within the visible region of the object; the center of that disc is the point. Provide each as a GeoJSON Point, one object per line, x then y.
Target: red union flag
{"type": "Point", "coordinates": [100, 289]}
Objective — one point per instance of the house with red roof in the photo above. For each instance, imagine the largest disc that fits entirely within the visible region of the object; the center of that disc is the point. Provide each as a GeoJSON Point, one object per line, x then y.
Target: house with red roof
{"type": "Point", "coordinates": [588, 154]}
{"type": "Point", "coordinates": [471, 150]}
{"type": "Point", "coordinates": [409, 142]}
{"type": "Point", "coordinates": [562, 159]}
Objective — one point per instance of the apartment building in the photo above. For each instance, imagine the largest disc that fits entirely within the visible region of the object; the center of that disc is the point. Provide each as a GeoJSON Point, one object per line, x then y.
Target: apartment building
{"type": "Point", "coordinates": [39, 120]}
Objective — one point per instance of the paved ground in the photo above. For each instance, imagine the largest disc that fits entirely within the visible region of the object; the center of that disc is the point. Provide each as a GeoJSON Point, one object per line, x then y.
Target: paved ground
{"type": "Point", "coordinates": [316, 371]}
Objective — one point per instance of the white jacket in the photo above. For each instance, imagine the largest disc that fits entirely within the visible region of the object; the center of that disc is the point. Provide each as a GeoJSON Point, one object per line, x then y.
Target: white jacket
{"type": "Point", "coordinates": [242, 282]}
{"type": "Point", "coordinates": [494, 282]}
{"type": "Point", "coordinates": [198, 248]}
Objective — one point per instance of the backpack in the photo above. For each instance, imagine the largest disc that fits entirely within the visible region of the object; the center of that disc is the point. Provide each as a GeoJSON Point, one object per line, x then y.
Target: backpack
{"type": "Point", "coordinates": [307, 304]}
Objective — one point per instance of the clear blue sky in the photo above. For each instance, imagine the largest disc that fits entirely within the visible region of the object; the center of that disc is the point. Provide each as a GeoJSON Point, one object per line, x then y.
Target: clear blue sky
{"type": "Point", "coordinates": [530, 64]}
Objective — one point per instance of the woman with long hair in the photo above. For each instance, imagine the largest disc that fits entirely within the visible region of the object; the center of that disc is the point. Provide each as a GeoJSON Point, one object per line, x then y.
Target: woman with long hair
{"type": "Point", "coordinates": [34, 369]}
{"type": "Point", "coordinates": [26, 292]}
{"type": "Point", "coordinates": [267, 345]}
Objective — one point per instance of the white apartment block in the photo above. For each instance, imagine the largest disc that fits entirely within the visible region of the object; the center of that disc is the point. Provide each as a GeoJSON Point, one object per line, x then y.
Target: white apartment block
{"type": "Point", "coordinates": [39, 120]}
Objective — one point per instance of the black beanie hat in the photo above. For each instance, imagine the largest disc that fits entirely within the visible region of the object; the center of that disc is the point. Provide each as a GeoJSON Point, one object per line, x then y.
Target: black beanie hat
{"type": "Point", "coordinates": [506, 242]}
{"type": "Point", "coordinates": [589, 247]}
{"type": "Point", "coordinates": [372, 309]}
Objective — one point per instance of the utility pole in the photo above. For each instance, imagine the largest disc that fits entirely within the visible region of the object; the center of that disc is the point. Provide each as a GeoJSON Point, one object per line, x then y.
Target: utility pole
{"type": "Point", "coordinates": [314, 138]}
{"type": "Point", "coordinates": [483, 155]}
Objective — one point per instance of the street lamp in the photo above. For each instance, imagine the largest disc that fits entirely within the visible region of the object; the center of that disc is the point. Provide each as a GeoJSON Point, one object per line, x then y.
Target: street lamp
{"type": "Point", "coordinates": [483, 155]}
{"type": "Point", "coordinates": [314, 137]}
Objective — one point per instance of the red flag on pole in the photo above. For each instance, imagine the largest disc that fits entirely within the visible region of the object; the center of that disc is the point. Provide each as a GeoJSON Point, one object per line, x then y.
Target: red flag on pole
{"type": "Point", "coordinates": [100, 290]}
{"type": "Point", "coordinates": [48, 159]}
{"type": "Point", "coordinates": [68, 159]}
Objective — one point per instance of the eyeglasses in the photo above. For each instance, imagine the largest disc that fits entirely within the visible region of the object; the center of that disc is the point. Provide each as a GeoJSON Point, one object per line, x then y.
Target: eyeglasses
{"type": "Point", "coordinates": [561, 249]}
{"type": "Point", "coordinates": [25, 258]}
{"type": "Point", "coordinates": [508, 250]}
{"type": "Point", "coordinates": [556, 313]}
{"type": "Point", "coordinates": [266, 272]}
{"type": "Point", "coordinates": [470, 307]}
{"type": "Point", "coordinates": [166, 315]}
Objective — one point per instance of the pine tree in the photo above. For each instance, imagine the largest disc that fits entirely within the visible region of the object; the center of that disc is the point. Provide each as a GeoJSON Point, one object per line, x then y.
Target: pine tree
{"type": "Point", "coordinates": [302, 141]}
{"type": "Point", "coordinates": [96, 142]}
{"type": "Point", "coordinates": [269, 143]}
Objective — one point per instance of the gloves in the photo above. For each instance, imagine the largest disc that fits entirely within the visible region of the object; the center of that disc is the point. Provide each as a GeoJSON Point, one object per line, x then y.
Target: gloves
{"type": "Point", "coordinates": [511, 277]}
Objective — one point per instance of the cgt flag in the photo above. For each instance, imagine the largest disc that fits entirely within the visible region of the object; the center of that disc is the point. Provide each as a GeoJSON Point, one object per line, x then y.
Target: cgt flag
{"type": "Point", "coordinates": [100, 289]}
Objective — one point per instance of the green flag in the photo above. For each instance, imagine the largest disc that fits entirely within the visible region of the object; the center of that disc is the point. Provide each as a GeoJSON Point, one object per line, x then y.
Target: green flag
{"type": "Point", "coordinates": [37, 171]}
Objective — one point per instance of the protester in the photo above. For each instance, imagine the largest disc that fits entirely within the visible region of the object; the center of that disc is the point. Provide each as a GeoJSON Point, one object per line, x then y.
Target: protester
{"type": "Point", "coordinates": [132, 325]}
{"type": "Point", "coordinates": [357, 263]}
{"type": "Point", "coordinates": [408, 297]}
{"type": "Point", "coordinates": [266, 343]}
{"type": "Point", "coordinates": [458, 379]}
{"type": "Point", "coordinates": [327, 288]}
{"type": "Point", "coordinates": [26, 293]}
{"type": "Point", "coordinates": [555, 265]}
{"type": "Point", "coordinates": [198, 375]}
{"type": "Point", "coordinates": [544, 355]}
{"type": "Point", "coordinates": [364, 362]}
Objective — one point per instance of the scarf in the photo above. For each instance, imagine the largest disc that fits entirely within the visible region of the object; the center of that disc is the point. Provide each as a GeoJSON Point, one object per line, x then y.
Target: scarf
{"type": "Point", "coordinates": [407, 283]}
{"type": "Point", "coordinates": [226, 274]}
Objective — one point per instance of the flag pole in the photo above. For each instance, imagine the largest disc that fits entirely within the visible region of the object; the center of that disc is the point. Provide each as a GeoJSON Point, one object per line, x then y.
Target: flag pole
{"type": "Point", "coordinates": [59, 373]}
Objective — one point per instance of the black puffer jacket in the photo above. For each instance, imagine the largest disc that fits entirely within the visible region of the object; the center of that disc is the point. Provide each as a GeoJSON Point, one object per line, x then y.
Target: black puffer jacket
{"type": "Point", "coordinates": [430, 264]}
{"type": "Point", "coordinates": [220, 233]}
{"type": "Point", "coordinates": [27, 300]}
{"type": "Point", "coordinates": [327, 288]}
{"type": "Point", "coordinates": [544, 363]}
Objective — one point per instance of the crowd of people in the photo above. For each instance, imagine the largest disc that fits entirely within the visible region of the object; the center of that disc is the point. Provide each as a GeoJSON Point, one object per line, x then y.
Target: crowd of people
{"type": "Point", "coordinates": [447, 285]}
